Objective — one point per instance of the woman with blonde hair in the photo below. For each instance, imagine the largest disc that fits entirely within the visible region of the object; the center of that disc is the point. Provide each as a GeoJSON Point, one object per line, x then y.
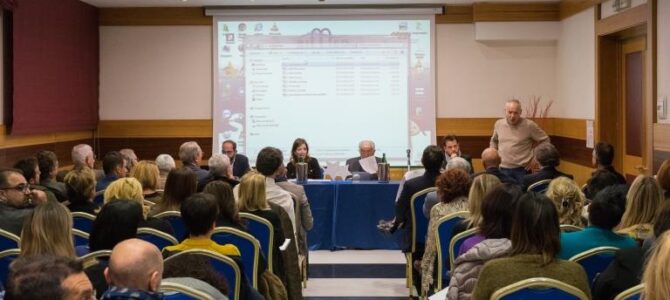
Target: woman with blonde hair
{"type": "Point", "coordinates": [481, 185]}
{"type": "Point", "coordinates": [568, 199]}
{"type": "Point", "coordinates": [655, 278]}
{"type": "Point", "coordinates": [129, 188]}
{"type": "Point", "coordinates": [663, 178]}
{"type": "Point", "coordinates": [80, 189]}
{"type": "Point", "coordinates": [146, 172]}
{"type": "Point", "coordinates": [48, 230]}
{"type": "Point", "coordinates": [642, 202]}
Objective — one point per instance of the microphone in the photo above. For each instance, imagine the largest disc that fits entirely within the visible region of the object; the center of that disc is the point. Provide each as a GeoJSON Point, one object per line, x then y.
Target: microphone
{"type": "Point", "coordinates": [409, 162]}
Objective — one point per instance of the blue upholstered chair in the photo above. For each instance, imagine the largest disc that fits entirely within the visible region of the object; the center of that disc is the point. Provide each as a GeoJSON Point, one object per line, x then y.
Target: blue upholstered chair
{"type": "Point", "coordinates": [6, 258]}
{"type": "Point", "coordinates": [444, 227]}
{"type": "Point", "coordinates": [263, 231]}
{"type": "Point", "coordinates": [595, 261]}
{"type": "Point", "coordinates": [176, 291]}
{"type": "Point", "coordinates": [158, 238]}
{"type": "Point", "coordinates": [247, 244]}
{"type": "Point", "coordinates": [95, 257]}
{"type": "Point", "coordinates": [570, 228]}
{"type": "Point", "coordinates": [175, 220]}
{"type": "Point", "coordinates": [539, 288]}
{"type": "Point", "coordinates": [82, 221]}
{"type": "Point", "coordinates": [418, 230]}
{"type": "Point", "coordinates": [79, 237]}
{"type": "Point", "coordinates": [226, 266]}
{"type": "Point", "coordinates": [540, 186]}
{"type": "Point", "coordinates": [9, 240]}
{"type": "Point", "coordinates": [633, 293]}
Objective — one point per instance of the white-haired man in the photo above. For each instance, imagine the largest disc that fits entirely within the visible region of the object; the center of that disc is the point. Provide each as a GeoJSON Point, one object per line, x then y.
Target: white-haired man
{"type": "Point", "coordinates": [219, 169]}
{"type": "Point", "coordinates": [165, 164]}
{"type": "Point", "coordinates": [190, 154]}
{"type": "Point", "coordinates": [366, 148]}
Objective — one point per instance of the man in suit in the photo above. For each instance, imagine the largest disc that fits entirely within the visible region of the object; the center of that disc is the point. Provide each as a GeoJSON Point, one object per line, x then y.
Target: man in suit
{"type": "Point", "coordinates": [453, 149]}
{"type": "Point", "coordinates": [491, 162]}
{"type": "Point", "coordinates": [366, 148]}
{"type": "Point", "coordinates": [240, 162]}
{"type": "Point", "coordinates": [190, 154]}
{"type": "Point", "coordinates": [603, 155]}
{"type": "Point", "coordinates": [548, 158]}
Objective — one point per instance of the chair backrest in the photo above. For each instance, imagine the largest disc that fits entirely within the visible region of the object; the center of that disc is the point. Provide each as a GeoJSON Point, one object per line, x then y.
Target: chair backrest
{"type": "Point", "coordinates": [456, 242]}
{"type": "Point", "coordinates": [6, 258]}
{"type": "Point", "coordinates": [595, 261]}
{"type": "Point", "coordinates": [263, 231]}
{"type": "Point", "coordinates": [9, 240]}
{"type": "Point", "coordinates": [633, 293]}
{"type": "Point", "coordinates": [444, 229]}
{"type": "Point", "coordinates": [540, 186]}
{"type": "Point", "coordinates": [539, 288]}
{"type": "Point", "coordinates": [419, 221]}
{"type": "Point", "coordinates": [226, 266]}
{"type": "Point", "coordinates": [247, 244]}
{"type": "Point", "coordinates": [158, 238]}
{"type": "Point", "coordinates": [82, 221]}
{"type": "Point", "coordinates": [174, 218]}
{"type": "Point", "coordinates": [570, 228]}
{"type": "Point", "coordinates": [176, 291]}
{"type": "Point", "coordinates": [93, 258]}
{"type": "Point", "coordinates": [80, 237]}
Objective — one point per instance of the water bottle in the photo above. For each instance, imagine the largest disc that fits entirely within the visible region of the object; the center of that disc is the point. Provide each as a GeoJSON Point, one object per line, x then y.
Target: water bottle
{"type": "Point", "coordinates": [383, 170]}
{"type": "Point", "coordinates": [356, 177]}
{"type": "Point", "coordinates": [301, 170]}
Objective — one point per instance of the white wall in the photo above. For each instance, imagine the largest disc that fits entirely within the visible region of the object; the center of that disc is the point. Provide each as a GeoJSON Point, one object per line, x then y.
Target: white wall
{"type": "Point", "coordinates": [155, 72]}
{"type": "Point", "coordinates": [575, 70]}
{"type": "Point", "coordinates": [663, 52]}
{"type": "Point", "coordinates": [474, 79]}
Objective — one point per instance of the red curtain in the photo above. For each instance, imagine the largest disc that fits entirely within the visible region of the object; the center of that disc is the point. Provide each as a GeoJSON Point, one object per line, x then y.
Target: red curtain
{"type": "Point", "coordinates": [55, 66]}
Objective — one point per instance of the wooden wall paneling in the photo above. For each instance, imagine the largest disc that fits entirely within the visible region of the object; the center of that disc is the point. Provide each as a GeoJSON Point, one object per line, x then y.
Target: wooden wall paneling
{"type": "Point", "coordinates": [63, 149]}
{"type": "Point", "coordinates": [155, 128]}
{"type": "Point", "coordinates": [153, 16]}
{"type": "Point", "coordinates": [580, 172]}
{"type": "Point", "coordinates": [572, 150]}
{"type": "Point", "coordinates": [11, 141]}
{"type": "Point", "coordinates": [571, 128]}
{"type": "Point", "coordinates": [465, 126]}
{"type": "Point", "coordinates": [149, 148]}
{"type": "Point", "coordinates": [455, 14]}
{"type": "Point", "coordinates": [568, 8]}
{"type": "Point", "coordinates": [514, 12]}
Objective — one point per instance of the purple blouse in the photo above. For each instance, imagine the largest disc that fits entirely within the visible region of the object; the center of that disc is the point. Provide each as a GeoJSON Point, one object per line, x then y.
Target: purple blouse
{"type": "Point", "coordinates": [469, 243]}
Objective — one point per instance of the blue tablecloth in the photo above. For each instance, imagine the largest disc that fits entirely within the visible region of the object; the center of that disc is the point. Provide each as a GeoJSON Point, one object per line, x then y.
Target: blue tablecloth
{"type": "Point", "coordinates": [346, 214]}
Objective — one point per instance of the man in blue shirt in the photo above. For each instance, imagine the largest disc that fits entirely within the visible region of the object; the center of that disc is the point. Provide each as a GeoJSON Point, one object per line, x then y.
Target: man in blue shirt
{"type": "Point", "coordinates": [605, 213]}
{"type": "Point", "coordinates": [114, 166]}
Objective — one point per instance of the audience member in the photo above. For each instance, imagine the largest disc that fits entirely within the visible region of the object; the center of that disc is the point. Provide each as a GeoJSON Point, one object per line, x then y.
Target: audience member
{"type": "Point", "coordinates": [135, 271]}
{"type": "Point", "coordinates": [147, 173]}
{"type": "Point", "coordinates": [190, 155]}
{"type": "Point", "coordinates": [604, 214]}
{"type": "Point", "coordinates": [252, 199]}
{"type": "Point", "coordinates": [600, 179]}
{"type": "Point", "coordinates": [481, 185]}
{"type": "Point", "coordinates": [626, 269]}
{"type": "Point", "coordinates": [452, 189]}
{"type": "Point", "coordinates": [16, 200]}
{"type": "Point", "coordinates": [642, 202]}
{"type": "Point", "coordinates": [130, 159]}
{"type": "Point", "coordinates": [48, 165]}
{"type": "Point", "coordinates": [491, 241]}
{"type": "Point", "coordinates": [491, 163]}
{"type": "Point", "coordinates": [31, 172]}
{"type": "Point", "coordinates": [239, 161]}
{"type": "Point", "coordinates": [514, 137]}
{"type": "Point", "coordinates": [657, 272]}
{"type": "Point", "coordinates": [219, 170]}
{"type": "Point", "coordinates": [366, 148]}
{"type": "Point", "coordinates": [196, 271]}
{"type": "Point", "coordinates": [228, 213]}
{"type": "Point", "coordinates": [535, 244]}
{"type": "Point", "coordinates": [270, 163]}
{"type": "Point", "coordinates": [48, 230]}
{"type": "Point", "coordinates": [568, 199]}
{"type": "Point", "coordinates": [180, 184]}
{"type": "Point", "coordinates": [165, 164]}
{"type": "Point", "coordinates": [199, 212]}
{"type": "Point", "coordinates": [117, 221]}
{"type": "Point", "coordinates": [300, 154]}
{"type": "Point", "coordinates": [452, 149]}
{"type": "Point", "coordinates": [48, 277]}
{"type": "Point", "coordinates": [663, 178]}
{"type": "Point", "coordinates": [602, 157]}
{"type": "Point", "coordinates": [83, 156]}
{"type": "Point", "coordinates": [130, 189]}
{"type": "Point", "coordinates": [303, 212]}
{"type": "Point", "coordinates": [548, 158]}
{"type": "Point", "coordinates": [114, 167]}
{"type": "Point", "coordinates": [80, 187]}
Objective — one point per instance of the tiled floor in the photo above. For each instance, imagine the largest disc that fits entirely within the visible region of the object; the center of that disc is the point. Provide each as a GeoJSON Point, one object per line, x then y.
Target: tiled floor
{"type": "Point", "coordinates": [356, 274]}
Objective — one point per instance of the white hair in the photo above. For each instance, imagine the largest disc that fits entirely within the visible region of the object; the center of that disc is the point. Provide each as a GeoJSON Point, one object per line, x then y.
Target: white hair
{"type": "Point", "coordinates": [165, 163]}
{"type": "Point", "coordinates": [79, 154]}
{"type": "Point", "coordinates": [363, 142]}
{"type": "Point", "coordinates": [459, 163]}
{"type": "Point", "coordinates": [188, 152]}
{"type": "Point", "coordinates": [219, 164]}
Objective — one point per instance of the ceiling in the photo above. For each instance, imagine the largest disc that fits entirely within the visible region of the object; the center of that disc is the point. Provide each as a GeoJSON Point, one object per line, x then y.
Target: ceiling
{"type": "Point", "coordinates": [200, 3]}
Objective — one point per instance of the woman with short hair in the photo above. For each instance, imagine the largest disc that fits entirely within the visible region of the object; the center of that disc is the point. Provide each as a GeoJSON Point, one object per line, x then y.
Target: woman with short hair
{"type": "Point", "coordinates": [146, 172]}
{"type": "Point", "coordinates": [80, 190]}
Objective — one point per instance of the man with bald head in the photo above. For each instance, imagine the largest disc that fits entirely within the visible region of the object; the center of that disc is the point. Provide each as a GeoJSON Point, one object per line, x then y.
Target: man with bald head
{"type": "Point", "coordinates": [135, 271]}
{"type": "Point", "coordinates": [515, 137]}
{"type": "Point", "coordinates": [491, 162]}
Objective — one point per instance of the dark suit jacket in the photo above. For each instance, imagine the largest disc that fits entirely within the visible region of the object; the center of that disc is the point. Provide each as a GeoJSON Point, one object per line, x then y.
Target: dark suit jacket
{"type": "Point", "coordinates": [240, 165]}
{"type": "Point", "coordinates": [402, 207]}
{"type": "Point", "coordinates": [355, 164]}
{"type": "Point", "coordinates": [620, 178]}
{"type": "Point", "coordinates": [542, 174]}
{"type": "Point", "coordinates": [623, 273]}
{"type": "Point", "coordinates": [313, 169]}
{"type": "Point", "coordinates": [497, 173]}
{"type": "Point", "coordinates": [203, 182]}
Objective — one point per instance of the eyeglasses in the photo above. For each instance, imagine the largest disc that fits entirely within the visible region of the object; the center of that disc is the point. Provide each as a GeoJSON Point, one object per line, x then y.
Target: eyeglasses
{"type": "Point", "coordinates": [21, 187]}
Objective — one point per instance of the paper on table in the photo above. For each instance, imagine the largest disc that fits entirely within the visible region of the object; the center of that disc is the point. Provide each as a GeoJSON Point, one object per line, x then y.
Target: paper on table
{"type": "Point", "coordinates": [369, 164]}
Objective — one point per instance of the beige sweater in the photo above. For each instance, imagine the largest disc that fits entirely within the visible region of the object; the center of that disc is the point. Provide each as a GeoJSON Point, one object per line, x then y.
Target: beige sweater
{"type": "Point", "coordinates": [515, 143]}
